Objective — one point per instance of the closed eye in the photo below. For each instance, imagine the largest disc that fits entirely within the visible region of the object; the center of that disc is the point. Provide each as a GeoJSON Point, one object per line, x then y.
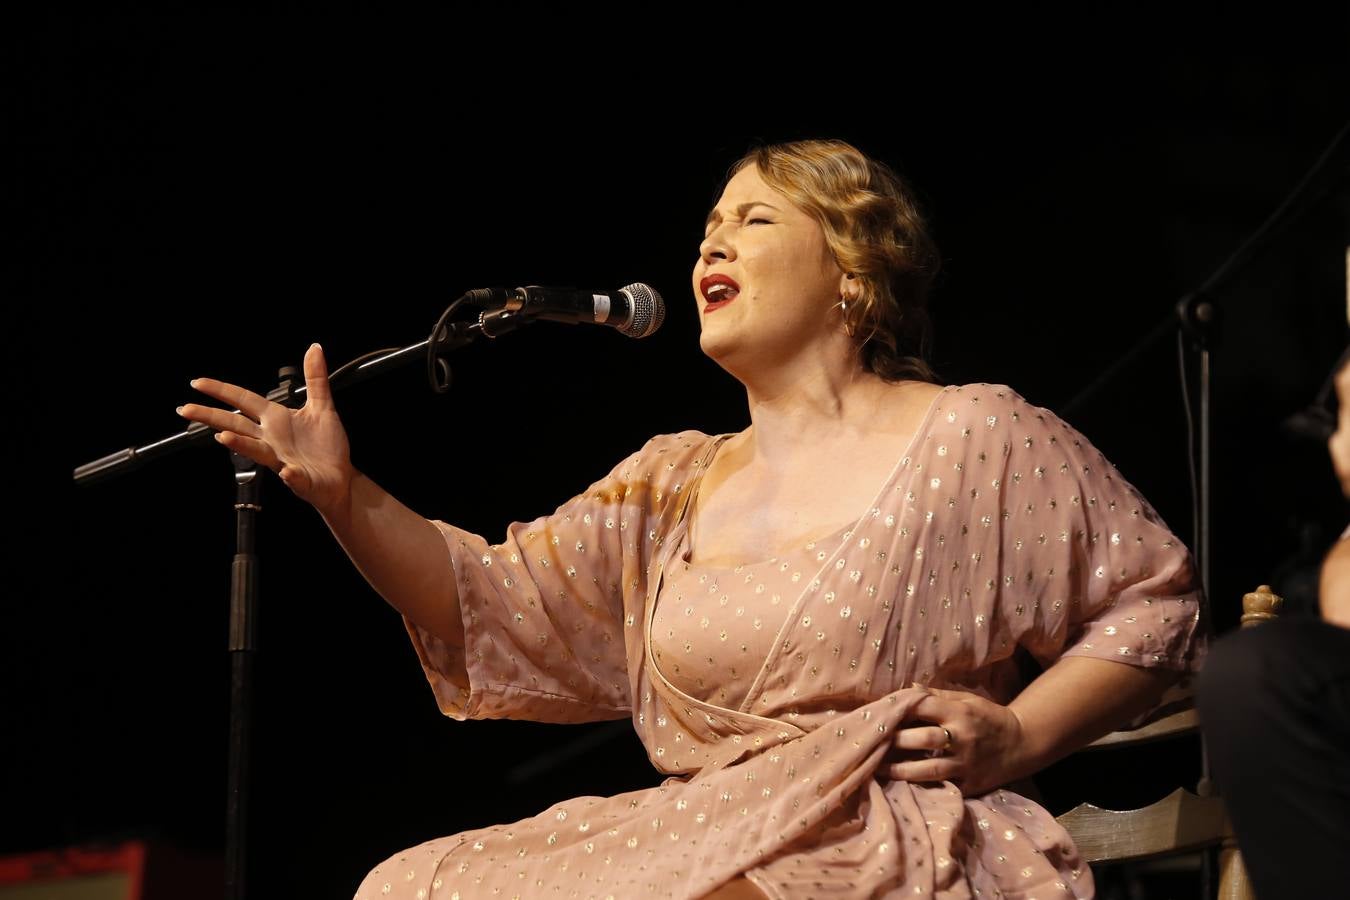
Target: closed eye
{"type": "Point", "coordinates": [747, 221]}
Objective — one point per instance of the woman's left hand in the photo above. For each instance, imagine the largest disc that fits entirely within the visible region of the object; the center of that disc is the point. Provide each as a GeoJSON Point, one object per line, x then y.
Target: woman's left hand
{"type": "Point", "coordinates": [986, 750]}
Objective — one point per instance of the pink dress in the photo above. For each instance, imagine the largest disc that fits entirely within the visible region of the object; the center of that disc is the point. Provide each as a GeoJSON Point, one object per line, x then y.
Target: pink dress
{"type": "Point", "coordinates": [770, 692]}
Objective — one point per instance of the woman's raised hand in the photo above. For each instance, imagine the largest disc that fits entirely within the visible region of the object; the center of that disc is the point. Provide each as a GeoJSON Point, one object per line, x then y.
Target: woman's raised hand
{"type": "Point", "coordinates": [306, 447]}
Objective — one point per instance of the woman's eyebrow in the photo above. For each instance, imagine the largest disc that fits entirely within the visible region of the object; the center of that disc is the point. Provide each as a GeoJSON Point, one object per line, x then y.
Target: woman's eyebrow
{"type": "Point", "coordinates": [716, 216]}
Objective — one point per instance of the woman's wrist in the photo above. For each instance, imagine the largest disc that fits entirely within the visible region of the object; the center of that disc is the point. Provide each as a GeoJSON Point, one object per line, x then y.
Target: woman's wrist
{"type": "Point", "coordinates": [1027, 755]}
{"type": "Point", "coordinates": [336, 510]}
{"type": "Point", "coordinates": [1033, 752]}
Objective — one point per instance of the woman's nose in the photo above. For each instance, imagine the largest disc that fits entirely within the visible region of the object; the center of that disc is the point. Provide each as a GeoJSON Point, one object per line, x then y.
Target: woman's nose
{"type": "Point", "coordinates": [716, 246]}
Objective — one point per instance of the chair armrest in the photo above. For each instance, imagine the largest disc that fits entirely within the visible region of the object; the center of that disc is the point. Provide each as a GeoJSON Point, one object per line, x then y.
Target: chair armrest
{"type": "Point", "coordinates": [1171, 722]}
{"type": "Point", "coordinates": [1179, 821]}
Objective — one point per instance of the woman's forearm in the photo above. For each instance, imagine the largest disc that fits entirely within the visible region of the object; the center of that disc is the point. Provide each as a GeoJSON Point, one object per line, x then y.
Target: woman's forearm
{"type": "Point", "coordinates": [1079, 699]}
{"type": "Point", "coordinates": [401, 554]}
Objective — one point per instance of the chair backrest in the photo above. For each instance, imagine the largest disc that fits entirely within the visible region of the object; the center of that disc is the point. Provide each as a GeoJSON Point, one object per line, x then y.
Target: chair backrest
{"type": "Point", "coordinates": [1182, 821]}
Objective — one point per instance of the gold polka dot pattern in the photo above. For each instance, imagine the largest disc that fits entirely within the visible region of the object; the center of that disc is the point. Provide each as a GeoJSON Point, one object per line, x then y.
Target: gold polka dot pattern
{"type": "Point", "coordinates": [1000, 528]}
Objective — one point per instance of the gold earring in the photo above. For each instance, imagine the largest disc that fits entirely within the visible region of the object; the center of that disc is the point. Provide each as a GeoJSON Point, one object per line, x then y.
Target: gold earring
{"type": "Point", "coordinates": [843, 309]}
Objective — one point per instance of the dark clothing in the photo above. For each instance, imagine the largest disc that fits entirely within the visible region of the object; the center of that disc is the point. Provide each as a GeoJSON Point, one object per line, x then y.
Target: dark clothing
{"type": "Point", "coordinates": [1275, 707]}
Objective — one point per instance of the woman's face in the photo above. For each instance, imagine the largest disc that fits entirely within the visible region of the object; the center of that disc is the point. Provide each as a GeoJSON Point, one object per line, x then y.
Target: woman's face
{"type": "Point", "coordinates": [787, 277]}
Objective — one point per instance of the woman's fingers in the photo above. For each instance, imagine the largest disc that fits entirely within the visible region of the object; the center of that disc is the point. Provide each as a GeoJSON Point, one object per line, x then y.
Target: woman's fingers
{"type": "Point", "coordinates": [316, 377]}
{"type": "Point", "coordinates": [935, 707]}
{"type": "Point", "coordinates": [258, 451]}
{"type": "Point", "coordinates": [921, 737]}
{"type": "Point", "coordinates": [219, 419]}
{"type": "Point", "coordinates": [246, 401]}
{"type": "Point", "coordinates": [929, 724]}
{"type": "Point", "coordinates": [307, 448]}
{"type": "Point", "coordinates": [924, 723]}
{"type": "Point", "coordinates": [938, 768]}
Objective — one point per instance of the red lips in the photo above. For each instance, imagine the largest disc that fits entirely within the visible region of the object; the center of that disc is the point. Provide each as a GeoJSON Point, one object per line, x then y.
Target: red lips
{"type": "Point", "coordinates": [707, 284]}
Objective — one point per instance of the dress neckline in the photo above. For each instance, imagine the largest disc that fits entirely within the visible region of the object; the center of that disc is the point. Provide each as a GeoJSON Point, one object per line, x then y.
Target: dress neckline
{"type": "Point", "coordinates": [685, 548]}
{"type": "Point", "coordinates": [838, 534]}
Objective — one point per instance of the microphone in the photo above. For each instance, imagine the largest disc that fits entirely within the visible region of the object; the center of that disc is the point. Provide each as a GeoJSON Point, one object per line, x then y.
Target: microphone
{"type": "Point", "coordinates": [636, 310]}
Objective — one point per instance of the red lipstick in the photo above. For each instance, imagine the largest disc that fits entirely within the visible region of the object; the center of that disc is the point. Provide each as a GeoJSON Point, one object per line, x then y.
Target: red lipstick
{"type": "Point", "coordinates": [718, 290]}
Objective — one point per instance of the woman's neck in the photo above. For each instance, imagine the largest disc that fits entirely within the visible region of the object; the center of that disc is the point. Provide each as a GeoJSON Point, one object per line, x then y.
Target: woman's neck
{"type": "Point", "coordinates": [827, 408]}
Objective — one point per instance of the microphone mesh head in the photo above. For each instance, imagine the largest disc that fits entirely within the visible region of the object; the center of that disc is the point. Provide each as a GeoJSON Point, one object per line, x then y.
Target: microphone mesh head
{"type": "Point", "coordinates": [649, 310]}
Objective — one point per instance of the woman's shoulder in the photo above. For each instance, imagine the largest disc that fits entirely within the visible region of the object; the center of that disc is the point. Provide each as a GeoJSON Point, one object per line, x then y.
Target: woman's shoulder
{"type": "Point", "coordinates": [999, 413]}
{"type": "Point", "coordinates": [974, 392]}
{"type": "Point", "coordinates": [959, 403]}
{"type": "Point", "coordinates": [990, 393]}
{"type": "Point", "coordinates": [1003, 419]}
{"type": "Point", "coordinates": [998, 404]}
{"type": "Point", "coordinates": [670, 456]}
{"type": "Point", "coordinates": [679, 444]}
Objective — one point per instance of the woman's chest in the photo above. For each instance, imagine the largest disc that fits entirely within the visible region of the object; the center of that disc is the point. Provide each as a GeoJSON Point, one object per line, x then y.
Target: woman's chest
{"type": "Point", "coordinates": [713, 628]}
{"type": "Point", "coordinates": [742, 517]}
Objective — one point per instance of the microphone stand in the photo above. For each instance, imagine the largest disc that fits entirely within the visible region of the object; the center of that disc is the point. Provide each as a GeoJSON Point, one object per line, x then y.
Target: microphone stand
{"type": "Point", "coordinates": [451, 337]}
{"type": "Point", "coordinates": [242, 649]}
{"type": "Point", "coordinates": [1195, 317]}
{"type": "Point", "coordinates": [244, 579]}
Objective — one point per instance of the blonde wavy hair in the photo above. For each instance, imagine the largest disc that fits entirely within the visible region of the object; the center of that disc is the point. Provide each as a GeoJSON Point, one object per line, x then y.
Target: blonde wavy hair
{"type": "Point", "coordinates": [877, 233]}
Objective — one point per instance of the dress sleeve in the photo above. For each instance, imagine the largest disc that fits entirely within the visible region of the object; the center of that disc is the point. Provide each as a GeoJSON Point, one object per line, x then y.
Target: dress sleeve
{"type": "Point", "coordinates": [1088, 566]}
{"type": "Point", "coordinates": [543, 610]}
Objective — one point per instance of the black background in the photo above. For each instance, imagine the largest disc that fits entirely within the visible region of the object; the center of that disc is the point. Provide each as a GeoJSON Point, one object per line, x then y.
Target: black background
{"type": "Point", "coordinates": [206, 194]}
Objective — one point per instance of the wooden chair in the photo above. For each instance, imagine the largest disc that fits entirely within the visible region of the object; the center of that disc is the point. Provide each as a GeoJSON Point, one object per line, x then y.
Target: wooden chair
{"type": "Point", "coordinates": [1182, 821]}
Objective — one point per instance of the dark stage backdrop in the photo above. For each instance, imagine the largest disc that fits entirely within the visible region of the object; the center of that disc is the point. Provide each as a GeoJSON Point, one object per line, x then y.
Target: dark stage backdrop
{"type": "Point", "coordinates": [206, 195]}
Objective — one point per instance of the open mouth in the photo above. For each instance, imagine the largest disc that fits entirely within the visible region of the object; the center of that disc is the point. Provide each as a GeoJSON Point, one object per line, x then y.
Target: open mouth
{"type": "Point", "coordinates": [717, 304]}
{"type": "Point", "coordinates": [719, 295]}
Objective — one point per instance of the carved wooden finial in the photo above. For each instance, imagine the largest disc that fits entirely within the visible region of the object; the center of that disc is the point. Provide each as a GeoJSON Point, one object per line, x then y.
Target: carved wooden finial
{"type": "Point", "coordinates": [1261, 605]}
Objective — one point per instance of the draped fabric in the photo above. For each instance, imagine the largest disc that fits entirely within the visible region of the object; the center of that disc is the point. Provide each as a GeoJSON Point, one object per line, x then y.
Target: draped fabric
{"type": "Point", "coordinates": [999, 527]}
